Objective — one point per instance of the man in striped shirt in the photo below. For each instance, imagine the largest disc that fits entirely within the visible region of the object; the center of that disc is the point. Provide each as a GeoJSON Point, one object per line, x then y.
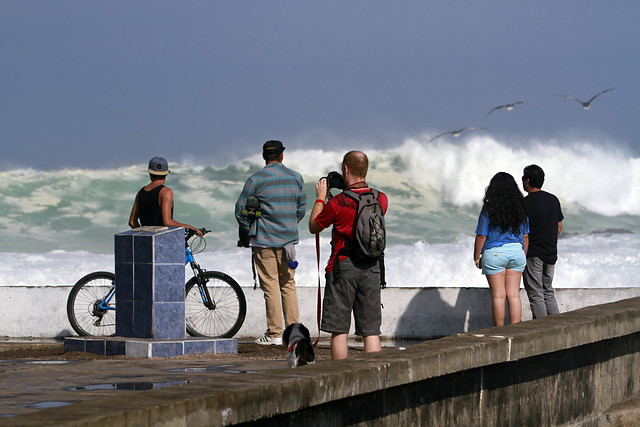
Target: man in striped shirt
{"type": "Point", "coordinates": [283, 200]}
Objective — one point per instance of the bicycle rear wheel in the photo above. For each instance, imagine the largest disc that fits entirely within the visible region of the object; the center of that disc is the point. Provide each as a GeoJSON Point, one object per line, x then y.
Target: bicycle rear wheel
{"type": "Point", "coordinates": [225, 318]}
{"type": "Point", "coordinates": [86, 316]}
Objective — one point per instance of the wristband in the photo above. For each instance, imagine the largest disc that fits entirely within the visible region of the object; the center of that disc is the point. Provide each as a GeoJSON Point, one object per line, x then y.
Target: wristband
{"type": "Point", "coordinates": [319, 200]}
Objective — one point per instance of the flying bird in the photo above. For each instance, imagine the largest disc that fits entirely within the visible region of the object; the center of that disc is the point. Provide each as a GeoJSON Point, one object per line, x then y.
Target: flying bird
{"type": "Point", "coordinates": [587, 105]}
{"type": "Point", "coordinates": [455, 133]}
{"type": "Point", "coordinates": [509, 107]}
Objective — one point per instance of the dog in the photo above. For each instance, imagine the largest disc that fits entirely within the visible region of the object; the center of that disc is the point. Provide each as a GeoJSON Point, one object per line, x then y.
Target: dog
{"type": "Point", "coordinates": [300, 349]}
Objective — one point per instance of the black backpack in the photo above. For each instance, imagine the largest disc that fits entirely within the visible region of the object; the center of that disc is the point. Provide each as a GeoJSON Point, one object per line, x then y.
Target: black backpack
{"type": "Point", "coordinates": [369, 232]}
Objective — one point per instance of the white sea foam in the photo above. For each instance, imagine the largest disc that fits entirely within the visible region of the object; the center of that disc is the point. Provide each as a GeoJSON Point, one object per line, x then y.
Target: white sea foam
{"type": "Point", "coordinates": [595, 260]}
{"type": "Point", "coordinates": [58, 225]}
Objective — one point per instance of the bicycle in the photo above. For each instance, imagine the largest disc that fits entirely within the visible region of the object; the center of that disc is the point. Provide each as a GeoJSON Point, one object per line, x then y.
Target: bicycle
{"type": "Point", "coordinates": [215, 305]}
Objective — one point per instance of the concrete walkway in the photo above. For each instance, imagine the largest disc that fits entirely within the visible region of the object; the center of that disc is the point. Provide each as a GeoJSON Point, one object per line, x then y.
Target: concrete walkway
{"type": "Point", "coordinates": [30, 383]}
{"type": "Point", "coordinates": [28, 388]}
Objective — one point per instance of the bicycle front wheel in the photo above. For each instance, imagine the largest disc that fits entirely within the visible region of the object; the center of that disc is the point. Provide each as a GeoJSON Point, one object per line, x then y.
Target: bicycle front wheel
{"type": "Point", "coordinates": [226, 315]}
{"type": "Point", "coordinates": [86, 310]}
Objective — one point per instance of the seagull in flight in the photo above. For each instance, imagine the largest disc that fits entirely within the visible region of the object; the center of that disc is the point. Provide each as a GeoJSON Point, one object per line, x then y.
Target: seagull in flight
{"type": "Point", "coordinates": [587, 105]}
{"type": "Point", "coordinates": [455, 133]}
{"type": "Point", "coordinates": [509, 107]}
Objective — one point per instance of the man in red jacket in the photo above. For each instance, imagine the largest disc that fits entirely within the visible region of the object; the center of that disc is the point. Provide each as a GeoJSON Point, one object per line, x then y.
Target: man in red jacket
{"type": "Point", "coordinates": [357, 287]}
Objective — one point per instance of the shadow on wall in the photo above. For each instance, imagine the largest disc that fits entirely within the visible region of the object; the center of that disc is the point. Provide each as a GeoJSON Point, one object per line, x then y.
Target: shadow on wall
{"type": "Point", "coordinates": [438, 312]}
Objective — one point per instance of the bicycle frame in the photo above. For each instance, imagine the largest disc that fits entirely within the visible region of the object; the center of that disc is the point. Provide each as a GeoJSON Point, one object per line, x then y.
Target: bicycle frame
{"type": "Point", "coordinates": [202, 281]}
{"type": "Point", "coordinates": [104, 303]}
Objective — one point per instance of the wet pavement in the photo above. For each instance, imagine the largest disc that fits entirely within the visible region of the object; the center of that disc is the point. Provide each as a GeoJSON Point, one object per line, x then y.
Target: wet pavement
{"type": "Point", "coordinates": [36, 374]}
{"type": "Point", "coordinates": [32, 385]}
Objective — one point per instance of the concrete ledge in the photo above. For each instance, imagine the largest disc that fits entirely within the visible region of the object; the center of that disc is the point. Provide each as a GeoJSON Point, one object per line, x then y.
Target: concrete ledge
{"type": "Point", "coordinates": [553, 333]}
{"type": "Point", "coordinates": [414, 313]}
{"type": "Point", "coordinates": [562, 370]}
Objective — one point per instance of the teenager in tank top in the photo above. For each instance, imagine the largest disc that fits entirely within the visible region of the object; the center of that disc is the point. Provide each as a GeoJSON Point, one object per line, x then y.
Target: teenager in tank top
{"type": "Point", "coordinates": [154, 202]}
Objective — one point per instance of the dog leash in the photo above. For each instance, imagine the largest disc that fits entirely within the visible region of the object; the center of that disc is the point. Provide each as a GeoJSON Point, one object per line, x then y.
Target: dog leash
{"type": "Point", "coordinates": [319, 305]}
{"type": "Point", "coordinates": [253, 269]}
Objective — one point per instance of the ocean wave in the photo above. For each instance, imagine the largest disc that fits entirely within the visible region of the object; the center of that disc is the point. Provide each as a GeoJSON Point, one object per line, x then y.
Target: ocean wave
{"type": "Point", "coordinates": [435, 189]}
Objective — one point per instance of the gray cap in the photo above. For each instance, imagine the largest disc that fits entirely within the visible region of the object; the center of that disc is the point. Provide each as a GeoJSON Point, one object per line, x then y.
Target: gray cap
{"type": "Point", "coordinates": [158, 166]}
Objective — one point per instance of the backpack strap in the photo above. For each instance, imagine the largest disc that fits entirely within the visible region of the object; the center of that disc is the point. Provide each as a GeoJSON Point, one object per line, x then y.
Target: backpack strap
{"type": "Point", "coordinates": [383, 279]}
{"type": "Point", "coordinates": [351, 194]}
{"type": "Point", "coordinates": [356, 196]}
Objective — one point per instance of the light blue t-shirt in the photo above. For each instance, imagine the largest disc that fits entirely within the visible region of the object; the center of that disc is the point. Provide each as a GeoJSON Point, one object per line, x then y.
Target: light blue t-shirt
{"type": "Point", "coordinates": [495, 237]}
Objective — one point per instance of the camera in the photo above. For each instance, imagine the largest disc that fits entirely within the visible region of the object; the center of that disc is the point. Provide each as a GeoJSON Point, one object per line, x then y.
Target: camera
{"type": "Point", "coordinates": [334, 180]}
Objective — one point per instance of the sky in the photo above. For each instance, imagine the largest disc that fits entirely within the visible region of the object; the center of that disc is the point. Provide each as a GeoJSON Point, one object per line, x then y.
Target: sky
{"type": "Point", "coordinates": [98, 85]}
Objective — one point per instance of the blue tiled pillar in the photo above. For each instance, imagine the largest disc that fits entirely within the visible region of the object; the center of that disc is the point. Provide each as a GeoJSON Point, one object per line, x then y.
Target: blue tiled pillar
{"type": "Point", "coordinates": [150, 283]}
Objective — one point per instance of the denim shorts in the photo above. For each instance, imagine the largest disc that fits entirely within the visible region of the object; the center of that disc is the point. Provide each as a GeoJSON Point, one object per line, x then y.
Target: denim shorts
{"type": "Point", "coordinates": [509, 256]}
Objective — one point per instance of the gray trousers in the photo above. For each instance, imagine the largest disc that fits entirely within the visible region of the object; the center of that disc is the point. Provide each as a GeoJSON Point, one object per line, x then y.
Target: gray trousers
{"type": "Point", "coordinates": [537, 278]}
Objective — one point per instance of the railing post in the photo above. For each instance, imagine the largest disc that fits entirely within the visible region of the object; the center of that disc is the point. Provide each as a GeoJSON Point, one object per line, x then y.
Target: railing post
{"type": "Point", "coordinates": [150, 283]}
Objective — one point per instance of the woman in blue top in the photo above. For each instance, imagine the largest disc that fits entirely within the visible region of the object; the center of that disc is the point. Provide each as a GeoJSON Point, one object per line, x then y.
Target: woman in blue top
{"type": "Point", "coordinates": [502, 237]}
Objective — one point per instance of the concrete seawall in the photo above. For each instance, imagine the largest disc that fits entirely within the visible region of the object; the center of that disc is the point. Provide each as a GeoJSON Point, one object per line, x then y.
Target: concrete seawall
{"type": "Point", "coordinates": [414, 313]}
{"type": "Point", "coordinates": [563, 370]}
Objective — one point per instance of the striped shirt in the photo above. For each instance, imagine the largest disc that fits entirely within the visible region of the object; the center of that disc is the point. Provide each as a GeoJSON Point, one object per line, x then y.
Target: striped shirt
{"type": "Point", "coordinates": [283, 200]}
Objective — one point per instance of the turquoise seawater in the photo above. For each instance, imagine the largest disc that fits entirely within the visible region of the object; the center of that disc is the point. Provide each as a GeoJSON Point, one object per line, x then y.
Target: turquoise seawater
{"type": "Point", "coordinates": [57, 225]}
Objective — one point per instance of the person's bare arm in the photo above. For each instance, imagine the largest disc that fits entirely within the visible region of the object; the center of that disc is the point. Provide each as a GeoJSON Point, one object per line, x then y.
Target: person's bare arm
{"type": "Point", "coordinates": [321, 194]}
{"type": "Point", "coordinates": [559, 227]}
{"type": "Point", "coordinates": [525, 242]}
{"type": "Point", "coordinates": [166, 204]}
{"type": "Point", "coordinates": [477, 248]}
{"type": "Point", "coordinates": [133, 218]}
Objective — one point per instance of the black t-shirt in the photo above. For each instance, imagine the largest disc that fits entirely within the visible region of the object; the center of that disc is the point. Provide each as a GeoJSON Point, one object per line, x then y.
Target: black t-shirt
{"type": "Point", "coordinates": [544, 215]}
{"type": "Point", "coordinates": [149, 206]}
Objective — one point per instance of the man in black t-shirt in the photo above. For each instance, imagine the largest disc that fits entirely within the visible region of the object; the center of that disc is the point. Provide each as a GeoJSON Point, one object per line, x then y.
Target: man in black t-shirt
{"type": "Point", "coordinates": [545, 224]}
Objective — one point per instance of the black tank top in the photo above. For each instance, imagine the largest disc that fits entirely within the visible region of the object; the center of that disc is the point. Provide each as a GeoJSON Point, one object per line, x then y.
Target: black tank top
{"type": "Point", "coordinates": [149, 206]}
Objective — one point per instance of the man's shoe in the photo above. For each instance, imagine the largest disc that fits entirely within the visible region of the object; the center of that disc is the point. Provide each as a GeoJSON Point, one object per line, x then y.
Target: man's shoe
{"type": "Point", "coordinates": [268, 340]}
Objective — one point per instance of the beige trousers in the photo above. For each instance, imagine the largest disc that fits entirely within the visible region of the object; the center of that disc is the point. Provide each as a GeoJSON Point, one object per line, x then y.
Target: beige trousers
{"type": "Point", "coordinates": [279, 287]}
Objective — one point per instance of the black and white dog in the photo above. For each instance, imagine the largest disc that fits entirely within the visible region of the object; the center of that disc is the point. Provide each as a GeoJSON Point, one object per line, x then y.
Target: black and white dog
{"type": "Point", "coordinates": [298, 342]}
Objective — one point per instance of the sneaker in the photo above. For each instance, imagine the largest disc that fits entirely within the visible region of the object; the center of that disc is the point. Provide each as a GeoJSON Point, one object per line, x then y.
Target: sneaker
{"type": "Point", "coordinates": [266, 339]}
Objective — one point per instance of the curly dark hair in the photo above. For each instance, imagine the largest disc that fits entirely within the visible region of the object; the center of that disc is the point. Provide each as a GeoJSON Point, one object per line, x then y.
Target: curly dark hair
{"type": "Point", "coordinates": [504, 203]}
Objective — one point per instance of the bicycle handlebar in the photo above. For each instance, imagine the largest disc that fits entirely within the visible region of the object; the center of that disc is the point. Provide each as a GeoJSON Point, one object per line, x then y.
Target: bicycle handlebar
{"type": "Point", "coordinates": [189, 233]}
